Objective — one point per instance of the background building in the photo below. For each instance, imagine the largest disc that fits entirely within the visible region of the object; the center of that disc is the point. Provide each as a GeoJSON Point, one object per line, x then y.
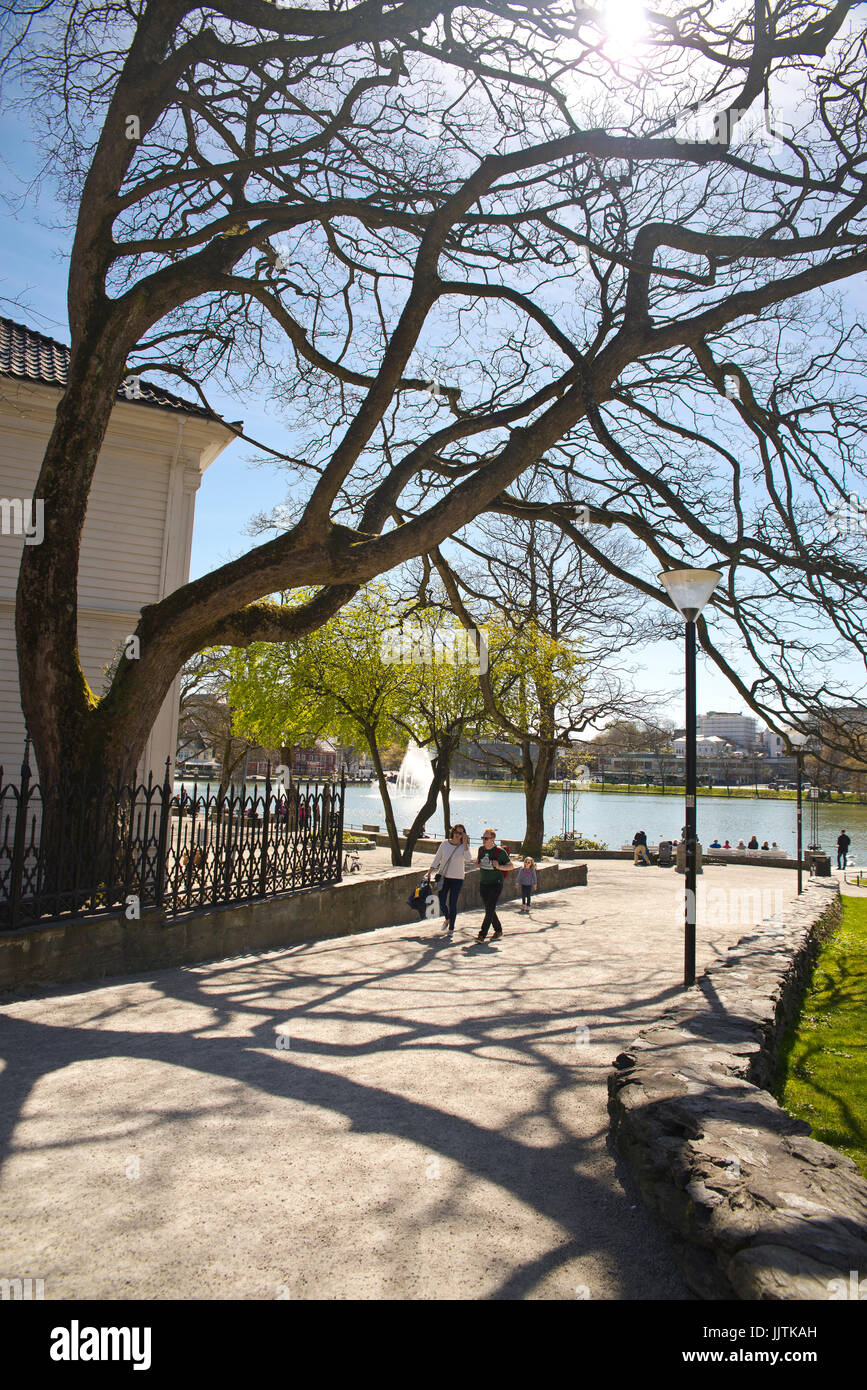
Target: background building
{"type": "Point", "coordinates": [707, 746]}
{"type": "Point", "coordinates": [772, 744]}
{"type": "Point", "coordinates": [740, 730]}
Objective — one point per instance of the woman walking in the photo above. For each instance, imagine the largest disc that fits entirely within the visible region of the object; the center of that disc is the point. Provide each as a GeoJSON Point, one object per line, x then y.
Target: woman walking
{"type": "Point", "coordinates": [491, 859]}
{"type": "Point", "coordinates": [451, 860]}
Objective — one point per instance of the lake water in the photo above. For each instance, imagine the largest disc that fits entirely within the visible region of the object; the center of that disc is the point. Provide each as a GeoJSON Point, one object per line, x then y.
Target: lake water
{"type": "Point", "coordinates": [614, 817]}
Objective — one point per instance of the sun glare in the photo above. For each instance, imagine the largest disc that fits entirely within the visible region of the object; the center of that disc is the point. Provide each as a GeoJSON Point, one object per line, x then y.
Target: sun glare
{"type": "Point", "coordinates": [625, 26]}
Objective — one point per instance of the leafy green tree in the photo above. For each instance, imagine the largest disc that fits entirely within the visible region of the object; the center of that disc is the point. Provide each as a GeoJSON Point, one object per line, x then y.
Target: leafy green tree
{"type": "Point", "coordinates": [337, 680]}
{"type": "Point", "coordinates": [537, 683]}
{"type": "Point", "coordinates": [364, 677]}
{"type": "Point", "coordinates": [447, 706]}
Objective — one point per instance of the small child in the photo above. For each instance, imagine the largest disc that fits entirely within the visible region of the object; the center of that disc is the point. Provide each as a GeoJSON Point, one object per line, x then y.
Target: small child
{"type": "Point", "coordinates": [527, 880]}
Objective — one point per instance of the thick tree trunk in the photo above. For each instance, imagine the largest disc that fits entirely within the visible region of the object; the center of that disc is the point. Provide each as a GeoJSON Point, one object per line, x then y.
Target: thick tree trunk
{"type": "Point", "coordinates": [59, 707]}
{"type": "Point", "coordinates": [536, 785]}
{"type": "Point", "coordinates": [440, 774]}
{"type": "Point", "coordinates": [445, 797]}
{"type": "Point", "coordinates": [390, 826]}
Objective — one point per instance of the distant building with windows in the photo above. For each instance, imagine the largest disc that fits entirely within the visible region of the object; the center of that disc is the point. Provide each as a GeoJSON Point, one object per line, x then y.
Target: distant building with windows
{"type": "Point", "coordinates": [320, 761]}
{"type": "Point", "coordinates": [772, 744]}
{"type": "Point", "coordinates": [740, 730]}
{"type": "Point", "coordinates": [706, 746]}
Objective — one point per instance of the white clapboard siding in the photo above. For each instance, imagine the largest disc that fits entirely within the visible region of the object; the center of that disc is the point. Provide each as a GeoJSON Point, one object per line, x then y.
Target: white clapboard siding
{"type": "Point", "coordinates": [135, 544]}
{"type": "Point", "coordinates": [11, 718]}
{"type": "Point", "coordinates": [122, 545]}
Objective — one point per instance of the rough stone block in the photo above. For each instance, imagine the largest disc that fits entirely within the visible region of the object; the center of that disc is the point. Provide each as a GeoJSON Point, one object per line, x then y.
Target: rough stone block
{"type": "Point", "coordinates": [758, 1209]}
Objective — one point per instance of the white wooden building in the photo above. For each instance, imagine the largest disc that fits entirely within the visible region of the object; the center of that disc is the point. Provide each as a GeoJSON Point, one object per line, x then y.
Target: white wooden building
{"type": "Point", "coordinates": [139, 527]}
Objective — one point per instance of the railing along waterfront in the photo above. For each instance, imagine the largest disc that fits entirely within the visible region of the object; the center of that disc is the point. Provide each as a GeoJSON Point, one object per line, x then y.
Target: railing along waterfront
{"type": "Point", "coordinates": [79, 850]}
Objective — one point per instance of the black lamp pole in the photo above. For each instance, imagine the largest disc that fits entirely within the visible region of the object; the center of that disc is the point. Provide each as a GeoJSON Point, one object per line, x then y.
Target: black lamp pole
{"type": "Point", "coordinates": [800, 779]}
{"type": "Point", "coordinates": [689, 590]}
{"type": "Point", "coordinates": [691, 824]}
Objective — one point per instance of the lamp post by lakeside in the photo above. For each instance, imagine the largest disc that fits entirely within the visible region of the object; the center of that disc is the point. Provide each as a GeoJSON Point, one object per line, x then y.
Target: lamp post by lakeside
{"type": "Point", "coordinates": [800, 820]}
{"type": "Point", "coordinates": [689, 591]}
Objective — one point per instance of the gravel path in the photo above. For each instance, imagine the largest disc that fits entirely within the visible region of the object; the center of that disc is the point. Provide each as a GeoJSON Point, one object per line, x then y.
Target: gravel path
{"type": "Point", "coordinates": [431, 1122]}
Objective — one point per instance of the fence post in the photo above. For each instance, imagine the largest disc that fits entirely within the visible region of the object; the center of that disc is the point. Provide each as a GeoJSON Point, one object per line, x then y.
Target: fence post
{"type": "Point", "coordinates": [228, 847]}
{"type": "Point", "coordinates": [17, 870]}
{"type": "Point", "coordinates": [340, 824]}
{"type": "Point", "coordinates": [266, 819]}
{"type": "Point", "coordinates": [165, 820]}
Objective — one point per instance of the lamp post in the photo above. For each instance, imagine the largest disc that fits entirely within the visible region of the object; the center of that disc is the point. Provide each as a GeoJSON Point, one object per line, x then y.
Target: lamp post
{"type": "Point", "coordinates": [689, 591]}
{"type": "Point", "coordinates": [800, 839]}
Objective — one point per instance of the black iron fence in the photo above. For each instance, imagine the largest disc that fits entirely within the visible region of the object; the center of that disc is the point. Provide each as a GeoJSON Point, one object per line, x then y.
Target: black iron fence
{"type": "Point", "coordinates": [74, 850]}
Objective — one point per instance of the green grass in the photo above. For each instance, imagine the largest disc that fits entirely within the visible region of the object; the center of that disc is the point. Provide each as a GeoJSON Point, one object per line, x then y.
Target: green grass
{"type": "Point", "coordinates": [824, 1060]}
{"type": "Point", "coordinates": [747, 793]}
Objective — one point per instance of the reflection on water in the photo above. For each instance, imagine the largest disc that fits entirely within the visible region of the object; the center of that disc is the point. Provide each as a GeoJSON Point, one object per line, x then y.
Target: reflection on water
{"type": "Point", "coordinates": [615, 816]}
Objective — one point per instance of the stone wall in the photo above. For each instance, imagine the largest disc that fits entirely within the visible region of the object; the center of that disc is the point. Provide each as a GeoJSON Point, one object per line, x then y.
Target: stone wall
{"type": "Point", "coordinates": [757, 1209]}
{"type": "Point", "coordinates": [96, 947]}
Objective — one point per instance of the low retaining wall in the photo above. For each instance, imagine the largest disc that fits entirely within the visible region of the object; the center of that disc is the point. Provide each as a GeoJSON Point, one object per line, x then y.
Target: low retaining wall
{"type": "Point", "coordinates": [758, 1209]}
{"type": "Point", "coordinates": [96, 947]}
{"type": "Point", "coordinates": [708, 856]}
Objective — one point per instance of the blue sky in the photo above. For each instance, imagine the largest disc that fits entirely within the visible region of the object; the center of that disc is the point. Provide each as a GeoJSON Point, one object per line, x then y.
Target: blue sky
{"type": "Point", "coordinates": [34, 268]}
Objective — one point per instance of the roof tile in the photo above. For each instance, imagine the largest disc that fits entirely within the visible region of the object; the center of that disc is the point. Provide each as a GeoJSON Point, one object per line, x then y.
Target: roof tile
{"type": "Point", "coordinates": [31, 356]}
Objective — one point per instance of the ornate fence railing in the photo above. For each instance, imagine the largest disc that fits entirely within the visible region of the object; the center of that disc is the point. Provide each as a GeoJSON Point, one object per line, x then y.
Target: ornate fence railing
{"type": "Point", "coordinates": [74, 850]}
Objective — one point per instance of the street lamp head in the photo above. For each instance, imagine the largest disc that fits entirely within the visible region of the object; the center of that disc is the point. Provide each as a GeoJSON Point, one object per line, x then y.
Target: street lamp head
{"type": "Point", "coordinates": [689, 590]}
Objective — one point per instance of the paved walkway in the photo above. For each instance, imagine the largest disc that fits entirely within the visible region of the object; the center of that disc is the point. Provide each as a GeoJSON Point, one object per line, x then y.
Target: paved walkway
{"type": "Point", "coordinates": [433, 1125]}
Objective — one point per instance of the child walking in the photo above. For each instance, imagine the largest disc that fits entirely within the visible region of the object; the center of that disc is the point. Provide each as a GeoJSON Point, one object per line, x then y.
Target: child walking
{"type": "Point", "coordinates": [527, 880]}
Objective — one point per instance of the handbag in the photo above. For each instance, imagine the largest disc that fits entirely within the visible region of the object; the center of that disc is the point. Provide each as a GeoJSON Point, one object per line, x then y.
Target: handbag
{"type": "Point", "coordinates": [423, 900]}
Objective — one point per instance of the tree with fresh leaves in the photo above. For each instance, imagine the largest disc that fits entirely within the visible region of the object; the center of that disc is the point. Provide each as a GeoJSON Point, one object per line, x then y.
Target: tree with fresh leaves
{"type": "Point", "coordinates": [338, 675]}
{"type": "Point", "coordinates": [447, 706]}
{"type": "Point", "coordinates": [637, 736]}
{"type": "Point", "coordinates": [361, 677]}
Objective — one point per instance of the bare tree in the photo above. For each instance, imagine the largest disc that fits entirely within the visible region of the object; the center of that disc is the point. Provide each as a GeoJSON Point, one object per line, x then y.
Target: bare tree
{"type": "Point", "coordinates": [206, 713]}
{"type": "Point", "coordinates": [558, 663]}
{"type": "Point", "coordinates": [488, 246]}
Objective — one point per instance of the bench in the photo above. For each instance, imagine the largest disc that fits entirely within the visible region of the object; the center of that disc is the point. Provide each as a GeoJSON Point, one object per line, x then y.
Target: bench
{"type": "Point", "coordinates": [748, 853]}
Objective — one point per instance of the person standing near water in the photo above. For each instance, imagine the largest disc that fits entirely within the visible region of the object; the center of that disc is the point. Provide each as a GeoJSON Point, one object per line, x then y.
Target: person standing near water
{"type": "Point", "coordinates": [451, 860]}
{"type": "Point", "coordinates": [843, 843]}
{"type": "Point", "coordinates": [490, 859]}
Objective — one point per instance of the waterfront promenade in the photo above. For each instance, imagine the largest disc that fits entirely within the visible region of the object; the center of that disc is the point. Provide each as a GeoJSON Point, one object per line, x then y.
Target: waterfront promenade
{"type": "Point", "coordinates": [384, 1116]}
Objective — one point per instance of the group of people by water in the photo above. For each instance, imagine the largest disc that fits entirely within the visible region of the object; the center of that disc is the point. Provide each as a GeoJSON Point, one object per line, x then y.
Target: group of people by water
{"type": "Point", "coordinates": [448, 869]}
{"type": "Point", "coordinates": [752, 843]}
{"type": "Point", "coordinates": [641, 856]}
